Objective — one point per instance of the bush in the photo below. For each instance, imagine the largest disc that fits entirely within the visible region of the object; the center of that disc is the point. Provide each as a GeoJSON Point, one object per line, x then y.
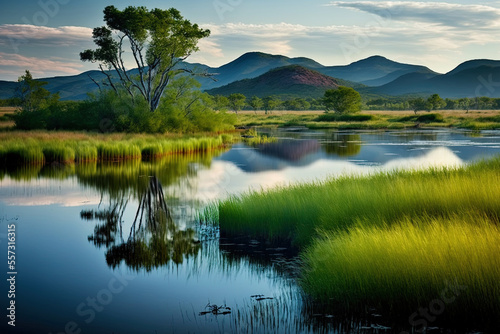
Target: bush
{"type": "Point", "coordinates": [430, 118]}
{"type": "Point", "coordinates": [328, 117]}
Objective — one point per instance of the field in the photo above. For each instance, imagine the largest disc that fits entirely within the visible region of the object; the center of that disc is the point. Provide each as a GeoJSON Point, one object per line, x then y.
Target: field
{"type": "Point", "coordinates": [473, 120]}
{"type": "Point", "coordinates": [5, 117]}
{"type": "Point", "coordinates": [392, 240]}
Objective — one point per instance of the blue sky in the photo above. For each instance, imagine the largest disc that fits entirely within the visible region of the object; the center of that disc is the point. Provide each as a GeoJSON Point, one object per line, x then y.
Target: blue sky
{"type": "Point", "coordinates": [46, 36]}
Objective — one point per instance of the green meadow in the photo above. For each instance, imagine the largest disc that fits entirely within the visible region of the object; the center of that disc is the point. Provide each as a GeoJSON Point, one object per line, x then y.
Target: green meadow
{"type": "Point", "coordinates": [392, 240]}
{"type": "Point", "coordinates": [39, 147]}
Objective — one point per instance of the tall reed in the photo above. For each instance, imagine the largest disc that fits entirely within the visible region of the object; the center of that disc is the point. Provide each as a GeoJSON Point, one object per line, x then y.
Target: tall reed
{"type": "Point", "coordinates": [410, 265]}
{"type": "Point", "coordinates": [297, 212]}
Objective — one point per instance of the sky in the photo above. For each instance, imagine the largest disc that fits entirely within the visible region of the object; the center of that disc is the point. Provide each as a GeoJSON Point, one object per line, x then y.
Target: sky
{"type": "Point", "coordinates": [46, 36]}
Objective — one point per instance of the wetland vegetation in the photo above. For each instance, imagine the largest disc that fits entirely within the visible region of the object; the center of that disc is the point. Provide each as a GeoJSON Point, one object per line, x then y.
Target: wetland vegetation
{"type": "Point", "coordinates": [391, 240]}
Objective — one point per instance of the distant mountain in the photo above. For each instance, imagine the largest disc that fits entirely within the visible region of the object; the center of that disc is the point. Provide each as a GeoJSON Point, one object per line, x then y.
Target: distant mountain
{"type": "Point", "coordinates": [373, 71]}
{"type": "Point", "coordinates": [470, 79]}
{"type": "Point", "coordinates": [251, 65]}
{"type": "Point", "coordinates": [385, 77]}
{"type": "Point", "coordinates": [471, 64]}
{"type": "Point", "coordinates": [287, 81]}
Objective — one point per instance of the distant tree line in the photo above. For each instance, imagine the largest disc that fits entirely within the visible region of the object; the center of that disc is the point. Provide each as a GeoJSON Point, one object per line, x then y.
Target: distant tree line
{"type": "Point", "coordinates": [237, 102]}
{"type": "Point", "coordinates": [434, 102]}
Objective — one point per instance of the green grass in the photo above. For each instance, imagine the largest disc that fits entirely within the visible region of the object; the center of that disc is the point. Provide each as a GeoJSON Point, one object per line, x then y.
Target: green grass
{"type": "Point", "coordinates": [390, 240]}
{"type": "Point", "coordinates": [58, 153]}
{"type": "Point", "coordinates": [410, 264]}
{"type": "Point", "coordinates": [43, 147]}
{"type": "Point", "coordinates": [298, 211]}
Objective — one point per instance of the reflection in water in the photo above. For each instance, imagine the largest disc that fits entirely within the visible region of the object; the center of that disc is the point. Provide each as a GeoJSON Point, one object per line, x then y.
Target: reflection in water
{"type": "Point", "coordinates": [137, 230]}
{"type": "Point", "coordinates": [154, 239]}
{"type": "Point", "coordinates": [343, 144]}
{"type": "Point", "coordinates": [291, 150]}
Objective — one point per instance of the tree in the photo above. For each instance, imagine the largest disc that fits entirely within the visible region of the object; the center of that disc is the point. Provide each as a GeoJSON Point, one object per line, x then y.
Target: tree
{"type": "Point", "coordinates": [236, 101]}
{"type": "Point", "coordinates": [271, 103]}
{"type": "Point", "coordinates": [435, 102]}
{"type": "Point", "coordinates": [342, 100]}
{"type": "Point", "coordinates": [220, 102]}
{"type": "Point", "coordinates": [451, 104]}
{"type": "Point", "coordinates": [256, 103]}
{"type": "Point", "coordinates": [32, 95]}
{"type": "Point", "coordinates": [465, 104]}
{"type": "Point", "coordinates": [159, 40]}
{"type": "Point", "coordinates": [418, 104]}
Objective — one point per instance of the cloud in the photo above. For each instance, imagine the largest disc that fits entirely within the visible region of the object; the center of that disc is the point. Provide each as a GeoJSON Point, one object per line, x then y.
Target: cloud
{"type": "Point", "coordinates": [16, 63]}
{"type": "Point", "coordinates": [440, 13]}
{"type": "Point", "coordinates": [15, 35]}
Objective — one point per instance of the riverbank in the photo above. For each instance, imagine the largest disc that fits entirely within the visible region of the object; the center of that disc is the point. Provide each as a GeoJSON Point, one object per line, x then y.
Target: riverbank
{"type": "Point", "coordinates": [39, 147]}
{"type": "Point", "coordinates": [391, 240]}
{"type": "Point", "coordinates": [374, 120]}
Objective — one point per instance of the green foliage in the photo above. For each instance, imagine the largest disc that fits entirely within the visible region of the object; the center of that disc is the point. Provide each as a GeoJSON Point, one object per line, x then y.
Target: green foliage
{"type": "Point", "coordinates": [159, 40]}
{"type": "Point", "coordinates": [344, 118]}
{"type": "Point", "coordinates": [236, 102]}
{"type": "Point", "coordinates": [256, 103]}
{"type": "Point", "coordinates": [429, 118]}
{"type": "Point", "coordinates": [342, 100]}
{"type": "Point", "coordinates": [271, 103]}
{"type": "Point", "coordinates": [220, 102]}
{"type": "Point", "coordinates": [184, 109]}
{"type": "Point", "coordinates": [435, 102]}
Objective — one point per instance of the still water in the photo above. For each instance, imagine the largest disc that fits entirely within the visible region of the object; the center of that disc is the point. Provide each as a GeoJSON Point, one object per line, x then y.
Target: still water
{"type": "Point", "coordinates": [93, 256]}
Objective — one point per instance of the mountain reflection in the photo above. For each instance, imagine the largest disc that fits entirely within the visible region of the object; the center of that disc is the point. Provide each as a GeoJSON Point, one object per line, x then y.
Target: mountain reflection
{"type": "Point", "coordinates": [153, 240]}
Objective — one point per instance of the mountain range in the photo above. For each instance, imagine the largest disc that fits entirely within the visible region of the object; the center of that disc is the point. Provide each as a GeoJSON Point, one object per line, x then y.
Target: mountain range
{"type": "Point", "coordinates": [257, 73]}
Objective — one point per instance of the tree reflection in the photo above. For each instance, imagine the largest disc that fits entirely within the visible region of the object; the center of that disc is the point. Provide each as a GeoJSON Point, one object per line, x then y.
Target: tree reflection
{"type": "Point", "coordinates": [154, 240]}
{"type": "Point", "coordinates": [343, 144]}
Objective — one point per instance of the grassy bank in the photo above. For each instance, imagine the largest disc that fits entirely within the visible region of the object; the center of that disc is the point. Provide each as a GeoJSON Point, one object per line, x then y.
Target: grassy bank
{"type": "Point", "coordinates": [409, 265]}
{"type": "Point", "coordinates": [298, 211]}
{"type": "Point", "coordinates": [374, 120]}
{"type": "Point", "coordinates": [391, 240]}
{"type": "Point", "coordinates": [38, 147]}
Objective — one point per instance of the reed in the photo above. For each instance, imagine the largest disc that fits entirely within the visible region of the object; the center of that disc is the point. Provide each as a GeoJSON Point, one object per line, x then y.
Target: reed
{"type": "Point", "coordinates": [297, 212]}
{"type": "Point", "coordinates": [409, 265]}
{"type": "Point", "coordinates": [41, 146]}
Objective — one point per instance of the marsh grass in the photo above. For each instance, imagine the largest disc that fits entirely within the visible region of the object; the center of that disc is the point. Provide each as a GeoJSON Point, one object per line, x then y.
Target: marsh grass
{"type": "Point", "coordinates": [297, 212]}
{"type": "Point", "coordinates": [393, 240]}
{"type": "Point", "coordinates": [38, 147]}
{"type": "Point", "coordinates": [410, 264]}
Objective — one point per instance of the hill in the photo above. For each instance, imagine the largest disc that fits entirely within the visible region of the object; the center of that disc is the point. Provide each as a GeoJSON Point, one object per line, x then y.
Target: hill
{"type": "Point", "coordinates": [470, 79]}
{"type": "Point", "coordinates": [287, 81]}
{"type": "Point", "coordinates": [373, 71]}
{"type": "Point", "coordinates": [384, 76]}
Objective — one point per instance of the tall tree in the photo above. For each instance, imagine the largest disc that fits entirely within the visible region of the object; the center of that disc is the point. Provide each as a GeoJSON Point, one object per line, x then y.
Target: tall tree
{"type": "Point", "coordinates": [256, 103]}
{"type": "Point", "coordinates": [236, 101]}
{"type": "Point", "coordinates": [342, 100]}
{"type": "Point", "coordinates": [271, 103]}
{"type": "Point", "coordinates": [435, 102]}
{"type": "Point", "coordinates": [159, 41]}
{"type": "Point", "coordinates": [31, 93]}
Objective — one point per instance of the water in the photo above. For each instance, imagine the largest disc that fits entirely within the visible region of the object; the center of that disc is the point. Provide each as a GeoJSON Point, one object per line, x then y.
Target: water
{"type": "Point", "coordinates": [83, 266]}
